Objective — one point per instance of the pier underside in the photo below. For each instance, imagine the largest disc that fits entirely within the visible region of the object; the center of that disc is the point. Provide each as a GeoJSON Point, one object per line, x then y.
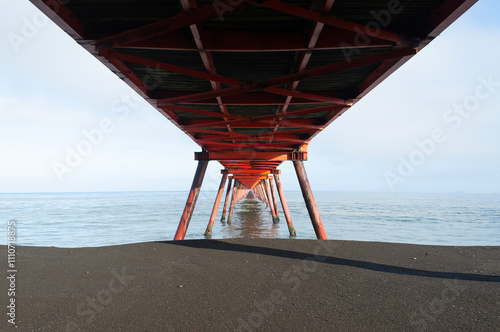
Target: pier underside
{"type": "Point", "coordinates": [252, 82]}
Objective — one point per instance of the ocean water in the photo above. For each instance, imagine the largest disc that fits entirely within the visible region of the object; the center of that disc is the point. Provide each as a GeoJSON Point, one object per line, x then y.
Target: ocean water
{"type": "Point", "coordinates": [110, 218]}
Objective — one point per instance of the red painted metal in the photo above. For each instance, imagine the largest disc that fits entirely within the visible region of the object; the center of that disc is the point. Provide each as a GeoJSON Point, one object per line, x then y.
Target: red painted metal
{"type": "Point", "coordinates": [233, 200]}
{"type": "Point", "coordinates": [111, 54]}
{"type": "Point", "coordinates": [57, 11]}
{"type": "Point", "coordinates": [306, 56]}
{"type": "Point", "coordinates": [251, 146]}
{"type": "Point", "coordinates": [164, 26]}
{"type": "Point", "coordinates": [191, 200]}
{"type": "Point", "coordinates": [218, 198]}
{"type": "Point", "coordinates": [202, 112]}
{"type": "Point", "coordinates": [276, 218]}
{"type": "Point", "coordinates": [228, 191]}
{"type": "Point", "coordinates": [450, 11]}
{"type": "Point", "coordinates": [284, 205]}
{"type": "Point", "coordinates": [251, 155]}
{"type": "Point", "coordinates": [306, 74]}
{"type": "Point", "coordinates": [259, 98]}
{"type": "Point", "coordinates": [309, 200]}
{"type": "Point", "coordinates": [343, 65]}
{"type": "Point", "coordinates": [255, 41]}
{"type": "Point", "coordinates": [201, 96]}
{"type": "Point", "coordinates": [264, 194]}
{"type": "Point", "coordinates": [334, 21]}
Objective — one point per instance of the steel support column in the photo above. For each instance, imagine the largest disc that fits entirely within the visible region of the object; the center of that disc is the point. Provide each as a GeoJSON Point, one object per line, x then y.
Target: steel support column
{"type": "Point", "coordinates": [288, 218]}
{"type": "Point", "coordinates": [275, 203]}
{"type": "Point", "coordinates": [309, 200]}
{"type": "Point", "coordinates": [269, 199]}
{"type": "Point", "coordinates": [228, 191]}
{"type": "Point", "coordinates": [191, 200]}
{"type": "Point", "coordinates": [233, 201]}
{"type": "Point", "coordinates": [218, 198]}
{"type": "Point", "coordinates": [263, 190]}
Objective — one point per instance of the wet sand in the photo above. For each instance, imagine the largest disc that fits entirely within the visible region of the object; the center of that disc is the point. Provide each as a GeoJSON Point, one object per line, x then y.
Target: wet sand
{"type": "Point", "coordinates": [256, 285]}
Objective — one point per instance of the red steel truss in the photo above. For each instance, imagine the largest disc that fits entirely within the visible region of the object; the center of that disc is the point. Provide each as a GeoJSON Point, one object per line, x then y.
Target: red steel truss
{"type": "Point", "coordinates": [253, 81]}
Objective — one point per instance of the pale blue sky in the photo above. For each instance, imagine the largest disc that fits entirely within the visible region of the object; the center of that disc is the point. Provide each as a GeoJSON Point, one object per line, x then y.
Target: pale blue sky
{"type": "Point", "coordinates": [52, 91]}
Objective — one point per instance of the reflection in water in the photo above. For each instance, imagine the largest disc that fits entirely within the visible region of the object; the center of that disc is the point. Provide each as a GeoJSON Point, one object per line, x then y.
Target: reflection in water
{"type": "Point", "coordinates": [251, 219]}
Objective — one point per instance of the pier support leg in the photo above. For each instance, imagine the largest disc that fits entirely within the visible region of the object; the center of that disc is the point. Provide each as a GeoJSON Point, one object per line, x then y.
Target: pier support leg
{"type": "Point", "coordinates": [191, 200]}
{"type": "Point", "coordinates": [263, 190]}
{"type": "Point", "coordinates": [228, 191]}
{"type": "Point", "coordinates": [275, 203]}
{"type": "Point", "coordinates": [218, 198]}
{"type": "Point", "coordinates": [291, 229]}
{"type": "Point", "coordinates": [233, 201]}
{"type": "Point", "coordinates": [309, 200]}
{"type": "Point", "coordinates": [269, 199]}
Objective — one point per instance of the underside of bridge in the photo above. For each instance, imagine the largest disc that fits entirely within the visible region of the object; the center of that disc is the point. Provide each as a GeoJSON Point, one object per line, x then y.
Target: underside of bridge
{"type": "Point", "coordinates": [253, 81]}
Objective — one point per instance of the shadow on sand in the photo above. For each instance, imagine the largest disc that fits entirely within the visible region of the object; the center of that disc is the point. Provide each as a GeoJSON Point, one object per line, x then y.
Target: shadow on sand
{"type": "Point", "coordinates": [225, 246]}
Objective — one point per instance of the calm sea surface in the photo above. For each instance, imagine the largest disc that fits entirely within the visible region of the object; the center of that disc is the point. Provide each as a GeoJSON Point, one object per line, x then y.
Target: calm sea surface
{"type": "Point", "coordinates": [100, 219]}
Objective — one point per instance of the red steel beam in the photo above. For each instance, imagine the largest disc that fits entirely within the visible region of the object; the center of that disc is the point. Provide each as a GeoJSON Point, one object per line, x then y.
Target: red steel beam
{"type": "Point", "coordinates": [451, 10]}
{"type": "Point", "coordinates": [336, 22]}
{"type": "Point", "coordinates": [251, 155]}
{"type": "Point", "coordinates": [251, 140]}
{"type": "Point", "coordinates": [262, 146]}
{"type": "Point", "coordinates": [343, 65]}
{"type": "Point", "coordinates": [284, 204]}
{"type": "Point", "coordinates": [161, 27]}
{"type": "Point", "coordinates": [189, 5]}
{"type": "Point", "coordinates": [309, 200]}
{"type": "Point", "coordinates": [233, 200]}
{"type": "Point", "coordinates": [255, 41]}
{"type": "Point", "coordinates": [191, 200]}
{"type": "Point", "coordinates": [57, 11]}
{"type": "Point", "coordinates": [249, 137]}
{"type": "Point", "coordinates": [208, 231]}
{"type": "Point", "coordinates": [192, 124]}
{"type": "Point", "coordinates": [201, 96]}
{"type": "Point", "coordinates": [253, 98]}
{"type": "Point", "coordinates": [326, 6]}
{"type": "Point", "coordinates": [248, 171]}
{"type": "Point", "coordinates": [306, 74]}
{"type": "Point", "coordinates": [224, 209]}
{"type": "Point", "coordinates": [307, 95]}
{"type": "Point", "coordinates": [276, 218]}
{"type": "Point", "coordinates": [203, 112]}
{"type": "Point", "coordinates": [112, 54]}
{"type": "Point", "coordinates": [270, 201]}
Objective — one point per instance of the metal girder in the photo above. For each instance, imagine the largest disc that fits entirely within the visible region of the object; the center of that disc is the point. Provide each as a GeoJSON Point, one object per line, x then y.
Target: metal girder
{"type": "Point", "coordinates": [247, 145]}
{"type": "Point", "coordinates": [158, 28]}
{"type": "Point", "coordinates": [203, 112]}
{"type": "Point", "coordinates": [255, 41]}
{"type": "Point", "coordinates": [306, 74]}
{"type": "Point", "coordinates": [307, 95]}
{"type": "Point", "coordinates": [343, 65]}
{"type": "Point", "coordinates": [168, 67]}
{"type": "Point", "coordinates": [57, 11]}
{"type": "Point", "coordinates": [251, 176]}
{"type": "Point", "coordinates": [251, 155]}
{"type": "Point", "coordinates": [325, 7]}
{"type": "Point", "coordinates": [255, 98]}
{"type": "Point", "coordinates": [247, 171]}
{"type": "Point", "coordinates": [450, 11]}
{"type": "Point", "coordinates": [336, 22]}
{"type": "Point", "coordinates": [192, 124]}
{"type": "Point", "coordinates": [252, 141]}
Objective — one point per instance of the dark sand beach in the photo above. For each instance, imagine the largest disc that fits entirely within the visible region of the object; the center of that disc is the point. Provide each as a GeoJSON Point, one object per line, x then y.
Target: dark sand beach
{"type": "Point", "coordinates": [256, 285]}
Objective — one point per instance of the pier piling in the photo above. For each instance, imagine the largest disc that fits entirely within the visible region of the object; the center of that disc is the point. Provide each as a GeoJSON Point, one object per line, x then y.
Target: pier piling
{"type": "Point", "coordinates": [218, 198]}
{"type": "Point", "coordinates": [309, 200]}
{"type": "Point", "coordinates": [284, 204]}
{"type": "Point", "coordinates": [191, 200]}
